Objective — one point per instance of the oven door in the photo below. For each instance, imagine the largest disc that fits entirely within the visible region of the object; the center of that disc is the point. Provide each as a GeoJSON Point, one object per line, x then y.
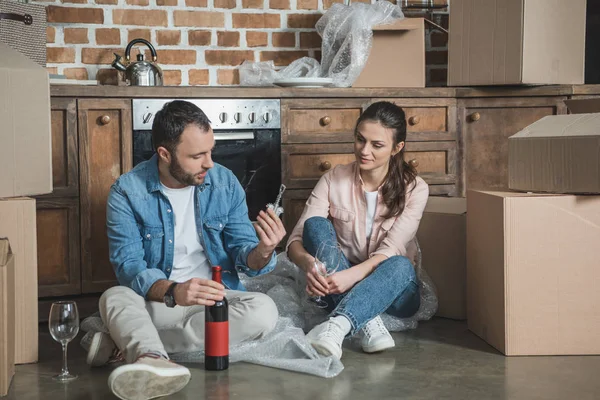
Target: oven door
{"type": "Point", "coordinates": [254, 157]}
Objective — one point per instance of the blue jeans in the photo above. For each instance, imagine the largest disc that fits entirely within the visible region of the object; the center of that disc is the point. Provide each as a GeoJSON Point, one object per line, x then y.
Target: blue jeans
{"type": "Point", "coordinates": [391, 288]}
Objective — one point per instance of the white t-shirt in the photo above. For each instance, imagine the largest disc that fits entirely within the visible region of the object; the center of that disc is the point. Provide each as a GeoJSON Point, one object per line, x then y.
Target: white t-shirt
{"type": "Point", "coordinates": [189, 260]}
{"type": "Point", "coordinates": [371, 207]}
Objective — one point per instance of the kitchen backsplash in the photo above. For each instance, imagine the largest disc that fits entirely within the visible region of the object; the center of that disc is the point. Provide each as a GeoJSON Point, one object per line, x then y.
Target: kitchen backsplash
{"type": "Point", "coordinates": [199, 42]}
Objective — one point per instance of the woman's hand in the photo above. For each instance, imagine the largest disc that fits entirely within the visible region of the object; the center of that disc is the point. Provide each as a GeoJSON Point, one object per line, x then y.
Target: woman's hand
{"type": "Point", "coordinates": [342, 281]}
{"type": "Point", "coordinates": [316, 284]}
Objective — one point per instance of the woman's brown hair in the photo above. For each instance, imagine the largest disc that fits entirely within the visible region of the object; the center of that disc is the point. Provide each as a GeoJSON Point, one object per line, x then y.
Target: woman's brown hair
{"type": "Point", "coordinates": [401, 175]}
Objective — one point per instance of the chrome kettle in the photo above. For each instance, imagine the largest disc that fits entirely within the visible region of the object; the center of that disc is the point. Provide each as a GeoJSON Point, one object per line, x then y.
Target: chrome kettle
{"type": "Point", "coordinates": [140, 72]}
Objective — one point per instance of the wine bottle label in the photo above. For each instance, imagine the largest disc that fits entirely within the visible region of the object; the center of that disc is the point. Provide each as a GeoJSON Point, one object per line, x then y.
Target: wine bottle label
{"type": "Point", "coordinates": [217, 339]}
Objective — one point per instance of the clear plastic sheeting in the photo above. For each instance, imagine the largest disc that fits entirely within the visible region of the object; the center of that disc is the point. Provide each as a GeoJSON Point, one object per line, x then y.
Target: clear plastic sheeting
{"type": "Point", "coordinates": [347, 33]}
{"type": "Point", "coordinates": [287, 347]}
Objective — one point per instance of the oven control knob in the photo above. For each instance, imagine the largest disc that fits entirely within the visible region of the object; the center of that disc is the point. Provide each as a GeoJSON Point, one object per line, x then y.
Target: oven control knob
{"type": "Point", "coordinates": [223, 117]}
{"type": "Point", "coordinates": [237, 117]}
{"type": "Point", "coordinates": [267, 117]}
{"type": "Point", "coordinates": [146, 117]}
{"type": "Point", "coordinates": [251, 117]}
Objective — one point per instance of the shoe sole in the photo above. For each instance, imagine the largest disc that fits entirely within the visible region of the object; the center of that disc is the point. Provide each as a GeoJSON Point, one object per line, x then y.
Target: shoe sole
{"type": "Point", "coordinates": [144, 382]}
{"type": "Point", "coordinates": [383, 345]}
{"type": "Point", "coordinates": [95, 347]}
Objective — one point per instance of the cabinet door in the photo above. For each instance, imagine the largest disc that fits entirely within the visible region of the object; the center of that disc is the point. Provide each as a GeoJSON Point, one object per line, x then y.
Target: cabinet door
{"type": "Point", "coordinates": [293, 205]}
{"type": "Point", "coordinates": [486, 125]}
{"type": "Point", "coordinates": [105, 137]}
{"type": "Point", "coordinates": [59, 263]}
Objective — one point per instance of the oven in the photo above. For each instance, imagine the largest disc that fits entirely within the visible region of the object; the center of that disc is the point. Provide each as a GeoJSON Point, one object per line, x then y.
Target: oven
{"type": "Point", "coordinates": [248, 141]}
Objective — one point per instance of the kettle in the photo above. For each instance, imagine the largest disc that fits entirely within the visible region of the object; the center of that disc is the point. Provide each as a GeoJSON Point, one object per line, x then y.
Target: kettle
{"type": "Point", "coordinates": [140, 72]}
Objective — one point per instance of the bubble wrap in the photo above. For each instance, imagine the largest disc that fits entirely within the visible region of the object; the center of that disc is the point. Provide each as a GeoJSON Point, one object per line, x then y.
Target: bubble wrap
{"type": "Point", "coordinates": [286, 347]}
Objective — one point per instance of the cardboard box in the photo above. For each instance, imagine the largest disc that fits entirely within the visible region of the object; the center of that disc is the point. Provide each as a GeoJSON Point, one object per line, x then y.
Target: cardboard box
{"type": "Point", "coordinates": [532, 272]}
{"type": "Point", "coordinates": [556, 154]}
{"type": "Point", "coordinates": [442, 236]}
{"type": "Point", "coordinates": [397, 57]}
{"type": "Point", "coordinates": [17, 223]}
{"type": "Point", "coordinates": [25, 132]}
{"type": "Point", "coordinates": [514, 42]}
{"type": "Point", "coordinates": [7, 316]}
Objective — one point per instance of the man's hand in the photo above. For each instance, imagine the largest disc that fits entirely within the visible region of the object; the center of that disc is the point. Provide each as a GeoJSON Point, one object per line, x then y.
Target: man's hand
{"type": "Point", "coordinates": [198, 291]}
{"type": "Point", "coordinates": [342, 281]}
{"type": "Point", "coordinates": [270, 232]}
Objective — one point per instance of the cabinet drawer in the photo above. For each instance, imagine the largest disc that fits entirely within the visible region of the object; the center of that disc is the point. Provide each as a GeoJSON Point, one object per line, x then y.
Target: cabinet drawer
{"type": "Point", "coordinates": [436, 163]}
{"type": "Point", "coordinates": [426, 119]}
{"type": "Point", "coordinates": [304, 164]}
{"type": "Point", "coordinates": [324, 121]}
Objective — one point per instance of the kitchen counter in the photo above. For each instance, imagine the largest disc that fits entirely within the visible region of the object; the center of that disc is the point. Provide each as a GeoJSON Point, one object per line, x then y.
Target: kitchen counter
{"type": "Point", "coordinates": [83, 91]}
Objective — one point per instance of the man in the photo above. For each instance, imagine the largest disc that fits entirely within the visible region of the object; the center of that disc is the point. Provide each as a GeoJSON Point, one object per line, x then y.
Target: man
{"type": "Point", "coordinates": [169, 220]}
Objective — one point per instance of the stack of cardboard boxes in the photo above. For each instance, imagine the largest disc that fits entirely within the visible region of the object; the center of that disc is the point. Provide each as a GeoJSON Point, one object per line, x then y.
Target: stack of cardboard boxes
{"type": "Point", "coordinates": [25, 170]}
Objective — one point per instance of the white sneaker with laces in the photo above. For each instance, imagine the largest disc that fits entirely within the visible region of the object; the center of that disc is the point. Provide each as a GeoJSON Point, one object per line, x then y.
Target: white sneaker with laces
{"type": "Point", "coordinates": [376, 336]}
{"type": "Point", "coordinates": [327, 338]}
{"type": "Point", "coordinates": [103, 351]}
{"type": "Point", "coordinates": [149, 377]}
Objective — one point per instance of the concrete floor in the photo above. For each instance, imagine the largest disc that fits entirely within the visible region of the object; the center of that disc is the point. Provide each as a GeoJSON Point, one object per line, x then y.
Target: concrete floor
{"type": "Point", "coordinates": [439, 360]}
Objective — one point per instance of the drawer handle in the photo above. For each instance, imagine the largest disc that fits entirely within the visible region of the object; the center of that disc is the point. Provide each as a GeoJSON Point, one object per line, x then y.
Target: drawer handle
{"type": "Point", "coordinates": [413, 163]}
{"type": "Point", "coordinates": [105, 119]}
{"type": "Point", "coordinates": [414, 120]}
{"type": "Point", "coordinates": [325, 166]}
{"type": "Point", "coordinates": [326, 120]}
{"type": "Point", "coordinates": [474, 117]}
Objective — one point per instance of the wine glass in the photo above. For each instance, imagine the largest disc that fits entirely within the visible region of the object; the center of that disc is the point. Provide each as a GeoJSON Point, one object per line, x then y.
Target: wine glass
{"type": "Point", "coordinates": [64, 327]}
{"type": "Point", "coordinates": [327, 261]}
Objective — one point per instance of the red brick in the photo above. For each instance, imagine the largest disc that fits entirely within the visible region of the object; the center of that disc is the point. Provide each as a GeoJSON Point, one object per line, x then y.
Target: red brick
{"type": "Point", "coordinates": [328, 3]}
{"type": "Point", "coordinates": [80, 74]}
{"type": "Point", "coordinates": [50, 34]}
{"type": "Point", "coordinates": [76, 35]}
{"type": "Point", "coordinates": [436, 57]}
{"type": "Point", "coordinates": [257, 39]}
{"type": "Point", "coordinates": [198, 76]}
{"type": "Point", "coordinates": [75, 15]}
{"type": "Point", "coordinates": [168, 37]}
{"type": "Point", "coordinates": [225, 4]}
{"type": "Point", "coordinates": [310, 40]}
{"type": "Point", "coordinates": [74, 1]}
{"type": "Point", "coordinates": [438, 77]}
{"type": "Point", "coordinates": [282, 57]}
{"type": "Point", "coordinates": [439, 39]}
{"type": "Point", "coordinates": [113, 2]}
{"type": "Point", "coordinates": [107, 76]}
{"type": "Point", "coordinates": [99, 55]}
{"type": "Point", "coordinates": [228, 77]}
{"type": "Point", "coordinates": [169, 3]}
{"type": "Point", "coordinates": [253, 3]}
{"type": "Point", "coordinates": [52, 70]}
{"type": "Point", "coordinates": [228, 57]}
{"type": "Point", "coordinates": [195, 3]}
{"type": "Point", "coordinates": [228, 39]}
{"type": "Point", "coordinates": [177, 57]}
{"type": "Point", "coordinates": [138, 2]}
{"type": "Point", "coordinates": [307, 5]}
{"type": "Point", "coordinates": [140, 17]}
{"type": "Point", "coordinates": [258, 21]}
{"type": "Point", "coordinates": [205, 19]}
{"type": "Point", "coordinates": [108, 36]}
{"type": "Point", "coordinates": [172, 78]}
{"type": "Point", "coordinates": [138, 34]}
{"type": "Point", "coordinates": [279, 4]}
{"type": "Point", "coordinates": [302, 20]}
{"type": "Point", "coordinates": [60, 55]}
{"type": "Point", "coordinates": [284, 39]}
{"type": "Point", "coordinates": [199, 38]}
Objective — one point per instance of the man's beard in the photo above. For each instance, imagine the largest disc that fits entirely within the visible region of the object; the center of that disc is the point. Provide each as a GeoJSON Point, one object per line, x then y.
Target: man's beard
{"type": "Point", "coordinates": [180, 175]}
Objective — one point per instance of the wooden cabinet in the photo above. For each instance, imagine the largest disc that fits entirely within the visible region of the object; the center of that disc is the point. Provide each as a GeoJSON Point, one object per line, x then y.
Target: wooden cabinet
{"type": "Point", "coordinates": [486, 126]}
{"type": "Point", "coordinates": [105, 143]}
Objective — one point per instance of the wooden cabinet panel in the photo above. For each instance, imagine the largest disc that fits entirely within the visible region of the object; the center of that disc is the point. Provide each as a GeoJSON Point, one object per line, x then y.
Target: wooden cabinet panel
{"type": "Point", "coordinates": [105, 137]}
{"type": "Point", "coordinates": [423, 119]}
{"type": "Point", "coordinates": [293, 205]}
{"type": "Point", "coordinates": [323, 120]}
{"type": "Point", "coordinates": [58, 247]}
{"type": "Point", "coordinates": [486, 126]}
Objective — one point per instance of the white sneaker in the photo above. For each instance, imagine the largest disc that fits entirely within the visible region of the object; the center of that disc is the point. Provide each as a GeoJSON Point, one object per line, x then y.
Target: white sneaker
{"type": "Point", "coordinates": [103, 350]}
{"type": "Point", "coordinates": [327, 338]}
{"type": "Point", "coordinates": [147, 378]}
{"type": "Point", "coordinates": [376, 336]}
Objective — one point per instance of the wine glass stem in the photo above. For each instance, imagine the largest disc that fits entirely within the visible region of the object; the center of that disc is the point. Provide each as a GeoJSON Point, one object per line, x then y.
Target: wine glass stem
{"type": "Point", "coordinates": [65, 370]}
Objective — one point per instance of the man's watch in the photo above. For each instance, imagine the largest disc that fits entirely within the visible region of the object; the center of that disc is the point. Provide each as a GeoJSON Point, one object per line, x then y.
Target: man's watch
{"type": "Point", "coordinates": [169, 298]}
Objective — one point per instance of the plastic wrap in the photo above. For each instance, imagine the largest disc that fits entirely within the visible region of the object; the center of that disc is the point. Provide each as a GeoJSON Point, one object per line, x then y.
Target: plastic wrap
{"type": "Point", "coordinates": [286, 347]}
{"type": "Point", "coordinates": [347, 33]}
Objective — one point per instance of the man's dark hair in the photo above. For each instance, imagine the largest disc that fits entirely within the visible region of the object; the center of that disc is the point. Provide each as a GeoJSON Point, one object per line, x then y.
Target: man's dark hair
{"type": "Point", "coordinates": [171, 121]}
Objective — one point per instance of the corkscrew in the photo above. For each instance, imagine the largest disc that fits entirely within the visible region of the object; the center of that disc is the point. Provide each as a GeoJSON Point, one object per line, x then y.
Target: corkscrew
{"type": "Point", "coordinates": [275, 206]}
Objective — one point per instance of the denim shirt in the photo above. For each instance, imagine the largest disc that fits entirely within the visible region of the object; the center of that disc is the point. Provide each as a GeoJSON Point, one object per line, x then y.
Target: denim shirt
{"type": "Point", "coordinates": [141, 227]}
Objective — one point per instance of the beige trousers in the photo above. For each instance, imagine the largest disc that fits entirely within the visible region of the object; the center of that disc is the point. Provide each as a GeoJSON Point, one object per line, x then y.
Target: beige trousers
{"type": "Point", "coordinates": [138, 326]}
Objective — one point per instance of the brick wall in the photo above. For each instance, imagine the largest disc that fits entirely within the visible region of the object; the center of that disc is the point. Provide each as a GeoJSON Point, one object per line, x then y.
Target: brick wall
{"type": "Point", "coordinates": [199, 42]}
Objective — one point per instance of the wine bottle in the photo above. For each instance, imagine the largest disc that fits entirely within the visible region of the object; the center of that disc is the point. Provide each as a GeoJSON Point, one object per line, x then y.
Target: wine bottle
{"type": "Point", "coordinates": [216, 340]}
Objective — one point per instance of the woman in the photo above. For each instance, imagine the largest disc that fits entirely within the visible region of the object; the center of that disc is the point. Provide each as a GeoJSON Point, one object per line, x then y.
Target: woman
{"type": "Point", "coordinates": [375, 205]}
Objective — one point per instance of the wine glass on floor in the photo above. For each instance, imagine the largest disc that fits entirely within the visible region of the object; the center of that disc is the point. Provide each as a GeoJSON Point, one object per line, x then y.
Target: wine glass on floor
{"type": "Point", "coordinates": [327, 261]}
{"type": "Point", "coordinates": [63, 323]}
